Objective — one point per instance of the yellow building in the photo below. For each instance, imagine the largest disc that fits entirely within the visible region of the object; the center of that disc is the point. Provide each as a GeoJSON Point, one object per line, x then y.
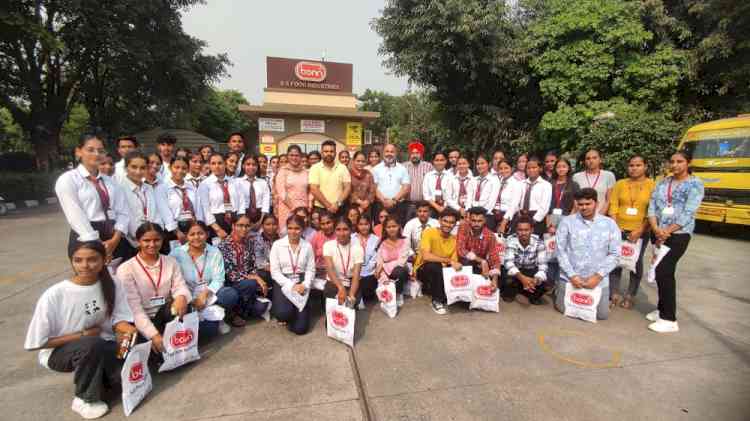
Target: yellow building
{"type": "Point", "coordinates": [306, 102]}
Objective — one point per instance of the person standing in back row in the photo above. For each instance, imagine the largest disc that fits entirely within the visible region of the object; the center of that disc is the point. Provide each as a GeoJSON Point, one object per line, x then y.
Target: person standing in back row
{"type": "Point", "coordinates": [165, 146]}
{"type": "Point", "coordinates": [417, 168]}
{"type": "Point", "coordinates": [595, 177]}
{"type": "Point", "coordinates": [393, 184]}
{"type": "Point", "coordinates": [671, 214]}
{"type": "Point", "coordinates": [236, 144]}
{"type": "Point", "coordinates": [330, 182]}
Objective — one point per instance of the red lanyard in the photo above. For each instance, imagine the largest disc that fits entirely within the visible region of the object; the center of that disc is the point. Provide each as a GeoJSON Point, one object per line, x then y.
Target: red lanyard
{"type": "Point", "coordinates": [348, 258]}
{"type": "Point", "coordinates": [292, 260]}
{"type": "Point", "coordinates": [669, 193]}
{"type": "Point", "coordinates": [596, 180]}
{"type": "Point", "coordinates": [559, 191]}
{"type": "Point", "coordinates": [153, 284]}
{"type": "Point", "coordinates": [634, 198]}
{"type": "Point", "coordinates": [239, 253]}
{"type": "Point", "coordinates": [362, 241]}
{"type": "Point", "coordinates": [198, 270]}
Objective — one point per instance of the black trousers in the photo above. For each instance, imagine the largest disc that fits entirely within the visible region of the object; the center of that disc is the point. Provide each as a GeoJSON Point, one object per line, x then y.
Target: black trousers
{"type": "Point", "coordinates": [368, 284]}
{"type": "Point", "coordinates": [511, 286]}
{"type": "Point", "coordinates": [431, 273]}
{"type": "Point", "coordinates": [331, 291]}
{"type": "Point", "coordinates": [665, 276]}
{"type": "Point", "coordinates": [94, 361]}
{"type": "Point", "coordinates": [222, 222]}
{"type": "Point", "coordinates": [283, 310]}
{"type": "Point", "coordinates": [106, 231]}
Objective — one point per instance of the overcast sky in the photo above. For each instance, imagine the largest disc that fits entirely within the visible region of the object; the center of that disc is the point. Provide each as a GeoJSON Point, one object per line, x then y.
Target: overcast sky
{"type": "Point", "coordinates": [248, 31]}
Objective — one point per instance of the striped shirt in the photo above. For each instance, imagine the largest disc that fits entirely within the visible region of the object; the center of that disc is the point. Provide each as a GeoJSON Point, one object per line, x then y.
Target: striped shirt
{"type": "Point", "coordinates": [416, 176]}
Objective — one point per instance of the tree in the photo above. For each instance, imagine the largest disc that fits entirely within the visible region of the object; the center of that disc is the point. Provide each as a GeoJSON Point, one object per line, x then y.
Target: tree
{"type": "Point", "coordinates": [470, 56]}
{"type": "Point", "coordinates": [216, 114]}
{"type": "Point", "coordinates": [124, 60]}
{"type": "Point", "coordinates": [11, 135]}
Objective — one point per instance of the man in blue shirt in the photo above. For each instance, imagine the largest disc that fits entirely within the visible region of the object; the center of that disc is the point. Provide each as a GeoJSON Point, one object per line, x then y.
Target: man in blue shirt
{"type": "Point", "coordinates": [392, 184]}
{"type": "Point", "coordinates": [588, 249]}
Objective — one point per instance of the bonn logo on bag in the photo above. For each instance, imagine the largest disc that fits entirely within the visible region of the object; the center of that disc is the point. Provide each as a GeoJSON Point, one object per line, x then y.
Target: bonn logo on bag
{"type": "Point", "coordinates": [310, 72]}
{"type": "Point", "coordinates": [459, 281]}
{"type": "Point", "coordinates": [552, 245]}
{"type": "Point", "coordinates": [484, 291]}
{"type": "Point", "coordinates": [627, 251]}
{"type": "Point", "coordinates": [182, 338]}
{"type": "Point", "coordinates": [136, 372]}
{"type": "Point", "coordinates": [386, 296]}
{"type": "Point", "coordinates": [339, 319]}
{"type": "Point", "coordinates": [582, 299]}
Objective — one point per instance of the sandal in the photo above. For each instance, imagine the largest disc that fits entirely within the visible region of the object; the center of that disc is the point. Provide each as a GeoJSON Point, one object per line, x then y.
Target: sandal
{"type": "Point", "coordinates": [627, 303]}
{"type": "Point", "coordinates": [615, 300]}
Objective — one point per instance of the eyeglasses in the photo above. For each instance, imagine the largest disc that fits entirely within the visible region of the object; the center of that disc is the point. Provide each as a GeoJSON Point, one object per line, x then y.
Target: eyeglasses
{"type": "Point", "coordinates": [243, 226]}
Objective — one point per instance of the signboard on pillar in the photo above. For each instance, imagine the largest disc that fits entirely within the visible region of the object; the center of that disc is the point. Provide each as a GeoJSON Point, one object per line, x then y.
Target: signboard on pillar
{"type": "Point", "coordinates": [268, 149]}
{"type": "Point", "coordinates": [354, 134]}
{"type": "Point", "coordinates": [270, 124]}
{"type": "Point", "coordinates": [312, 126]}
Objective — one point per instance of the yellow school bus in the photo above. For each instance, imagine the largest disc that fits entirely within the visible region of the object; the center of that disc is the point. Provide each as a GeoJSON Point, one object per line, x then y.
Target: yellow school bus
{"type": "Point", "coordinates": [721, 158]}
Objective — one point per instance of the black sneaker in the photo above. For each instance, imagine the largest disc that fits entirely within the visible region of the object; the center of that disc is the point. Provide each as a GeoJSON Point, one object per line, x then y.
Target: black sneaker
{"type": "Point", "coordinates": [439, 308]}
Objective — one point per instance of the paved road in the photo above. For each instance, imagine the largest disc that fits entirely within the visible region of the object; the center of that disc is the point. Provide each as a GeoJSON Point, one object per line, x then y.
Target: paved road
{"type": "Point", "coordinates": [525, 363]}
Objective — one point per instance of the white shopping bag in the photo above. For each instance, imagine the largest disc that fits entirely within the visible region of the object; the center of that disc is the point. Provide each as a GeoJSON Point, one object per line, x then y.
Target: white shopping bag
{"type": "Point", "coordinates": [484, 298]}
{"type": "Point", "coordinates": [550, 245]}
{"type": "Point", "coordinates": [457, 284]}
{"type": "Point", "coordinates": [659, 253]}
{"type": "Point", "coordinates": [582, 303]}
{"type": "Point", "coordinates": [298, 300]}
{"type": "Point", "coordinates": [180, 342]}
{"type": "Point", "coordinates": [319, 283]}
{"type": "Point", "coordinates": [413, 288]}
{"type": "Point", "coordinates": [629, 254]}
{"type": "Point", "coordinates": [340, 321]}
{"type": "Point", "coordinates": [267, 314]}
{"type": "Point", "coordinates": [386, 293]}
{"type": "Point", "coordinates": [135, 377]}
{"type": "Point", "coordinates": [212, 312]}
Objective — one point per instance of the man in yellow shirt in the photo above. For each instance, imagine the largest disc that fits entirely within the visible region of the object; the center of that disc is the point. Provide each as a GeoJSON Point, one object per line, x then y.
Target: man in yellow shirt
{"type": "Point", "coordinates": [330, 182]}
{"type": "Point", "coordinates": [629, 208]}
{"type": "Point", "coordinates": [437, 250]}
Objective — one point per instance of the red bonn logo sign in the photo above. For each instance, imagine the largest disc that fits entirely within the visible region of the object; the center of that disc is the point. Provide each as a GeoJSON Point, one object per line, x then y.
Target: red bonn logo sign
{"type": "Point", "coordinates": [182, 338]}
{"type": "Point", "coordinates": [136, 372]}
{"type": "Point", "coordinates": [310, 72]}
{"type": "Point", "coordinates": [459, 281]}
{"type": "Point", "coordinates": [582, 299]}
{"type": "Point", "coordinates": [627, 251]}
{"type": "Point", "coordinates": [339, 319]}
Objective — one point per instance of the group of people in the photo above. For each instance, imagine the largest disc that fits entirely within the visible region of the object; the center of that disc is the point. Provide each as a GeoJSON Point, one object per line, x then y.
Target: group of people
{"type": "Point", "coordinates": [155, 236]}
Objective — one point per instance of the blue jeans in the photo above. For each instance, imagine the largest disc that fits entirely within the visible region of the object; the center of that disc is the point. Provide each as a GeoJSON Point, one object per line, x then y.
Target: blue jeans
{"type": "Point", "coordinates": [241, 297]}
{"type": "Point", "coordinates": [283, 310]}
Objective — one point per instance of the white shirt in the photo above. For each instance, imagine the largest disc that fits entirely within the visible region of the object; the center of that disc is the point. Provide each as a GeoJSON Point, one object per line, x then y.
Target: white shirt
{"type": "Point", "coordinates": [488, 188]}
{"type": "Point", "coordinates": [155, 205]}
{"type": "Point", "coordinates": [344, 258]}
{"type": "Point", "coordinates": [413, 231]}
{"type": "Point", "coordinates": [509, 196]}
{"type": "Point", "coordinates": [195, 181]}
{"type": "Point", "coordinates": [462, 202]}
{"type": "Point", "coordinates": [282, 258]}
{"type": "Point", "coordinates": [262, 193]}
{"type": "Point", "coordinates": [211, 198]}
{"type": "Point", "coordinates": [447, 188]}
{"type": "Point", "coordinates": [120, 170]}
{"type": "Point", "coordinates": [541, 197]}
{"type": "Point", "coordinates": [164, 172]}
{"type": "Point", "coordinates": [238, 170]}
{"type": "Point", "coordinates": [173, 193]}
{"type": "Point", "coordinates": [81, 204]}
{"type": "Point", "coordinates": [66, 308]}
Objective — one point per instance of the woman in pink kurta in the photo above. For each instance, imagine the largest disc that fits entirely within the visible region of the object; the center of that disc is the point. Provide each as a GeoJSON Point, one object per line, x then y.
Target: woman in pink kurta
{"type": "Point", "coordinates": [393, 253]}
{"type": "Point", "coordinates": [290, 186]}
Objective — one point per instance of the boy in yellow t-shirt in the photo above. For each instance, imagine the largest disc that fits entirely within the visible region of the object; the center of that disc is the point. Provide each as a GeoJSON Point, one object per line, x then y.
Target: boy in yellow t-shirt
{"type": "Point", "coordinates": [437, 249]}
{"type": "Point", "coordinates": [629, 208]}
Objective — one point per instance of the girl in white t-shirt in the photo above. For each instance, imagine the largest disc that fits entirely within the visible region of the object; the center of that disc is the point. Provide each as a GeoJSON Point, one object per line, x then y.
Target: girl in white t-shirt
{"type": "Point", "coordinates": [75, 325]}
{"type": "Point", "coordinates": [343, 261]}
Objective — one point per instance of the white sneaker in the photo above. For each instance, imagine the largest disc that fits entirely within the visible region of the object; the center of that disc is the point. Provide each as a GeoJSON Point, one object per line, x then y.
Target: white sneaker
{"type": "Point", "coordinates": [439, 308]}
{"type": "Point", "coordinates": [89, 410]}
{"type": "Point", "coordinates": [400, 300]}
{"type": "Point", "coordinates": [664, 326]}
{"type": "Point", "coordinates": [361, 305]}
{"type": "Point", "coordinates": [653, 316]}
{"type": "Point", "coordinates": [224, 328]}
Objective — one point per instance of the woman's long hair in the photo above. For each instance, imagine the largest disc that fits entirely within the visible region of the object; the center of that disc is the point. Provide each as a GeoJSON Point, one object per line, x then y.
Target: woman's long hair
{"type": "Point", "coordinates": [104, 278]}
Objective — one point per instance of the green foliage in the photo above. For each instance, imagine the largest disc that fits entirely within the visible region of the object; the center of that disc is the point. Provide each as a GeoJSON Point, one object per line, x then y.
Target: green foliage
{"type": "Point", "coordinates": [76, 123]}
{"type": "Point", "coordinates": [16, 186]}
{"type": "Point", "coordinates": [11, 134]}
{"type": "Point", "coordinates": [216, 115]}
